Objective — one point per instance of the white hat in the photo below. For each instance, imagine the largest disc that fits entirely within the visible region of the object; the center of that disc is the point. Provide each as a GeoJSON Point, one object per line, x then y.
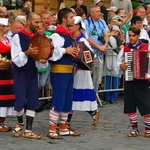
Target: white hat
{"type": "Point", "coordinates": [97, 1]}
{"type": "Point", "coordinates": [77, 20]}
{"type": "Point", "coordinates": [116, 28]}
{"type": "Point", "coordinates": [20, 17]}
{"type": "Point", "coordinates": [113, 8]}
{"type": "Point", "coordinates": [4, 21]}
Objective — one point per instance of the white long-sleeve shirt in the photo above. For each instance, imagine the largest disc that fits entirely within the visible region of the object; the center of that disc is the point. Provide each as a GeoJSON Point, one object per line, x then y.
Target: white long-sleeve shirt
{"type": "Point", "coordinates": [120, 60]}
{"type": "Point", "coordinates": [18, 56]}
{"type": "Point", "coordinates": [59, 51]}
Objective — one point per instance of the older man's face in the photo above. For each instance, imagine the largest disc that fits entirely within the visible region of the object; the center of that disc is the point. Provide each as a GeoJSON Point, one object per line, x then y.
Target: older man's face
{"type": "Point", "coordinates": [95, 14]}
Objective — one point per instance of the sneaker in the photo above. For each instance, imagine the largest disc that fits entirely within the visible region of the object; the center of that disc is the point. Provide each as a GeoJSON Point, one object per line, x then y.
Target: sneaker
{"type": "Point", "coordinates": [5, 128]}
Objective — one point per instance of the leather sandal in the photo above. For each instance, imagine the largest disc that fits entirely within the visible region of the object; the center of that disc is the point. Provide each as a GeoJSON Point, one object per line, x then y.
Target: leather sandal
{"type": "Point", "coordinates": [53, 135]}
{"type": "Point", "coordinates": [134, 133]}
{"type": "Point", "coordinates": [17, 131]}
{"type": "Point", "coordinates": [31, 135]}
{"type": "Point", "coordinates": [5, 128]}
{"type": "Point", "coordinates": [147, 135]}
{"type": "Point", "coordinates": [68, 132]}
{"type": "Point", "coordinates": [95, 122]}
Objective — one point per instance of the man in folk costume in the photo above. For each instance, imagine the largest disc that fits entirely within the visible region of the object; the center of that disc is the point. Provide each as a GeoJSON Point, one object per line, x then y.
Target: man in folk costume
{"type": "Point", "coordinates": [136, 92]}
{"type": "Point", "coordinates": [25, 75]}
{"type": "Point", "coordinates": [61, 75]}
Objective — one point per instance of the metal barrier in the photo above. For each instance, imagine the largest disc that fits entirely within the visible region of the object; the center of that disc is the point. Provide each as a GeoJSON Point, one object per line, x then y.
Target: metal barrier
{"type": "Point", "coordinates": [107, 72]}
{"type": "Point", "coordinates": [46, 88]}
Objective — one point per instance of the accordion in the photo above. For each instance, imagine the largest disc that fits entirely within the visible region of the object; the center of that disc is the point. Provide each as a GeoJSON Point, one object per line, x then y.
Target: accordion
{"type": "Point", "coordinates": [138, 62]}
{"type": "Point", "coordinates": [85, 56]}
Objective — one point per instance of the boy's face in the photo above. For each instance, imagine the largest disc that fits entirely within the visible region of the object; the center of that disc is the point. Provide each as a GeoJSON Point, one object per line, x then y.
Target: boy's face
{"type": "Point", "coordinates": [138, 24]}
{"type": "Point", "coordinates": [133, 38]}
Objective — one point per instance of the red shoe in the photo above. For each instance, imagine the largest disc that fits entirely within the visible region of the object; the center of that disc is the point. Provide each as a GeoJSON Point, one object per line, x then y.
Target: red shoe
{"type": "Point", "coordinates": [5, 128]}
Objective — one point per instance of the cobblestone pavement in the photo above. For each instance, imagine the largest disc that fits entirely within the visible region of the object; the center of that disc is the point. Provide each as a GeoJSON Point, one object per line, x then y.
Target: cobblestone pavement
{"type": "Point", "coordinates": [110, 133]}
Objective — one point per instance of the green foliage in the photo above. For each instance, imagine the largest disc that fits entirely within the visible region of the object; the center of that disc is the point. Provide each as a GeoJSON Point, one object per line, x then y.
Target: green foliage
{"type": "Point", "coordinates": [135, 4]}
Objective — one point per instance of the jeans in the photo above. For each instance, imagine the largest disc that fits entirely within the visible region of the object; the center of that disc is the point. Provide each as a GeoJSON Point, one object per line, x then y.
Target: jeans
{"type": "Point", "coordinates": [42, 77]}
{"type": "Point", "coordinates": [111, 83]}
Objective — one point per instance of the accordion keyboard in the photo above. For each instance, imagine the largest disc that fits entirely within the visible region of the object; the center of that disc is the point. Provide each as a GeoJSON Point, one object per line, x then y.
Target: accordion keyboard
{"type": "Point", "coordinates": [129, 75]}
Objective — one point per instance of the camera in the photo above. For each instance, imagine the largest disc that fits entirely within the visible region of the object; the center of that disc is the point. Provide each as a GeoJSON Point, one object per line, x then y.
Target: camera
{"type": "Point", "coordinates": [101, 38]}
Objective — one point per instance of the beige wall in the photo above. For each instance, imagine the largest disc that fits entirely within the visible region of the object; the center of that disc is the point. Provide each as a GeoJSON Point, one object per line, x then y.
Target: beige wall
{"type": "Point", "coordinates": [88, 3]}
{"type": "Point", "coordinates": [41, 5]}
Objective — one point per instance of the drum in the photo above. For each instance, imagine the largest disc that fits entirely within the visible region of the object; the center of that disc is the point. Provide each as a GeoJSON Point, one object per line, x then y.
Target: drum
{"type": "Point", "coordinates": [44, 46]}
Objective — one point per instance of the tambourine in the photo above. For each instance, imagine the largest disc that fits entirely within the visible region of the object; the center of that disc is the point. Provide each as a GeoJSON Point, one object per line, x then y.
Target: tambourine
{"type": "Point", "coordinates": [44, 46]}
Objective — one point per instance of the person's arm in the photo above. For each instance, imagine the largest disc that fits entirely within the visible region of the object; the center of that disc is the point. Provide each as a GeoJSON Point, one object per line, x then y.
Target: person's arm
{"type": "Point", "coordinates": [59, 51]}
{"type": "Point", "coordinates": [120, 63]}
{"type": "Point", "coordinates": [19, 58]}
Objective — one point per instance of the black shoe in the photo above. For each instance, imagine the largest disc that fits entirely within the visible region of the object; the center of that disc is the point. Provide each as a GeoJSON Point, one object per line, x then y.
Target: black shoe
{"type": "Point", "coordinates": [105, 102]}
{"type": "Point", "coordinates": [113, 102]}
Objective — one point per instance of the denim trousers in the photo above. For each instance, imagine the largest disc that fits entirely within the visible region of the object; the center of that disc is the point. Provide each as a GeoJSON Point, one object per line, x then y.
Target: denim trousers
{"type": "Point", "coordinates": [111, 83]}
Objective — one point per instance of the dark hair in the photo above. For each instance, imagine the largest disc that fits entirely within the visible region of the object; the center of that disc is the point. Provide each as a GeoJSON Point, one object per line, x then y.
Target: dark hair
{"type": "Point", "coordinates": [135, 19]}
{"type": "Point", "coordinates": [30, 15]}
{"type": "Point", "coordinates": [135, 30]}
{"type": "Point", "coordinates": [63, 13]}
{"type": "Point", "coordinates": [26, 10]}
{"type": "Point", "coordinates": [80, 12]}
{"type": "Point", "coordinates": [118, 11]}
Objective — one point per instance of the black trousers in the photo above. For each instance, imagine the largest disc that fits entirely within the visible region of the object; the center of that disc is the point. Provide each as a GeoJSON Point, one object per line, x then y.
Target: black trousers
{"type": "Point", "coordinates": [137, 95]}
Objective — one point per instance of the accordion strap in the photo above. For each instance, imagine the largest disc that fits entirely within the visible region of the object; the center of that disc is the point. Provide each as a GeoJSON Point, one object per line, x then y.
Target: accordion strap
{"type": "Point", "coordinates": [142, 45]}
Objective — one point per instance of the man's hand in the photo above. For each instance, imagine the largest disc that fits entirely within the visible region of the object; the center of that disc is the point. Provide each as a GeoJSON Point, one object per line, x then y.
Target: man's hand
{"type": "Point", "coordinates": [102, 48]}
{"type": "Point", "coordinates": [31, 50]}
{"type": "Point", "coordinates": [73, 51]}
{"type": "Point", "coordinates": [123, 66]}
{"type": "Point", "coordinates": [43, 61]}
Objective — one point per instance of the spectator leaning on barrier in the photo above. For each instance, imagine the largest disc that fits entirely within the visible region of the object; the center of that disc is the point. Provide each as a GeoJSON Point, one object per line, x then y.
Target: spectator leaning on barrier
{"type": "Point", "coordinates": [111, 79]}
{"type": "Point", "coordinates": [98, 32]}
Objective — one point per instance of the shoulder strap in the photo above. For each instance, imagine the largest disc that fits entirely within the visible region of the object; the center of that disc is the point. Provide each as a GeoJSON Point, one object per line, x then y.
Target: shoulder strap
{"type": "Point", "coordinates": [88, 20]}
{"type": "Point", "coordinates": [142, 45]}
{"type": "Point", "coordinates": [101, 23]}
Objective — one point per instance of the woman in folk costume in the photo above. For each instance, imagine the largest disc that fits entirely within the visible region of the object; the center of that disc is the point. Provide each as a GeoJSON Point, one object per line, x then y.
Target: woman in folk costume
{"type": "Point", "coordinates": [7, 97]}
{"type": "Point", "coordinates": [84, 98]}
